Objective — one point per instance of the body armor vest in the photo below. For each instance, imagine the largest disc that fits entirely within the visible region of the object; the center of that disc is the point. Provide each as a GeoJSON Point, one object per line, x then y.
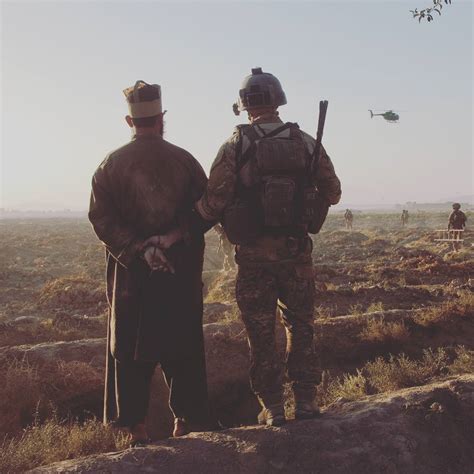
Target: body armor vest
{"type": "Point", "coordinates": [274, 192]}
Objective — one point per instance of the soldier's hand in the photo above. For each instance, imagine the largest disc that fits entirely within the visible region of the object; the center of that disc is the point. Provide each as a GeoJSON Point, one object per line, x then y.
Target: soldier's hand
{"type": "Point", "coordinates": [157, 261]}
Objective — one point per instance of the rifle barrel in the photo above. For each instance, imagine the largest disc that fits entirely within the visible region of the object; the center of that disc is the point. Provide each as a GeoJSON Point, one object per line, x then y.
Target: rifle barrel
{"type": "Point", "coordinates": [323, 107]}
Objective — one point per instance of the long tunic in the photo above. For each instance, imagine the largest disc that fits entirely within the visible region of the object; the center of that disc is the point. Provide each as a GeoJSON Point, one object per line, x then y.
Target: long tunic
{"type": "Point", "coordinates": [142, 189]}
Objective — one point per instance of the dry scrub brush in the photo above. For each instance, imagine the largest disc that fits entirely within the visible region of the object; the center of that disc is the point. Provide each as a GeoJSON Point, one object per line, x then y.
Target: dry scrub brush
{"type": "Point", "coordinates": [27, 392]}
{"type": "Point", "coordinates": [20, 392]}
{"type": "Point", "coordinates": [379, 330]}
{"type": "Point", "coordinates": [56, 440]}
{"type": "Point", "coordinates": [449, 312]}
{"type": "Point", "coordinates": [395, 373]}
{"type": "Point", "coordinates": [76, 292]}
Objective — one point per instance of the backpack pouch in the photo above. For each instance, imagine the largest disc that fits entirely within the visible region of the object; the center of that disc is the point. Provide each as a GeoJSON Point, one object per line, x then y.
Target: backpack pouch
{"type": "Point", "coordinates": [278, 201]}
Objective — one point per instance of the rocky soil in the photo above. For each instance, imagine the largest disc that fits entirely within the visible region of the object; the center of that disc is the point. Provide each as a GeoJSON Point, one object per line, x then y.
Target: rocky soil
{"type": "Point", "coordinates": [427, 429]}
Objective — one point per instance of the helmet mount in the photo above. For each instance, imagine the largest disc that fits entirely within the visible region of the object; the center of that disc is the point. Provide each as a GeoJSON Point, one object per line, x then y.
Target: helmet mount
{"type": "Point", "coordinates": [260, 89]}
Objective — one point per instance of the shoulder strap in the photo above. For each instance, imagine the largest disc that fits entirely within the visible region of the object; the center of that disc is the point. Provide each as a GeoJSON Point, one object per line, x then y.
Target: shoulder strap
{"type": "Point", "coordinates": [278, 130]}
{"type": "Point", "coordinates": [250, 132]}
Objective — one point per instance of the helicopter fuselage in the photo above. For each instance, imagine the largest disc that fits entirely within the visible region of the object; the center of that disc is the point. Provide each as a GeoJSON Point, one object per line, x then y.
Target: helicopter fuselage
{"type": "Point", "coordinates": [389, 116]}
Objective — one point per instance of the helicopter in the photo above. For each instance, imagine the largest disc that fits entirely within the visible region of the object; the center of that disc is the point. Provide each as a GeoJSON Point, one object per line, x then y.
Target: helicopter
{"type": "Point", "coordinates": [389, 116]}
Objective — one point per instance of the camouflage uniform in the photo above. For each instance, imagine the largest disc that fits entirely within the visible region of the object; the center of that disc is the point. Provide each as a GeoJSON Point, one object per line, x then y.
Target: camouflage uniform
{"type": "Point", "coordinates": [272, 268]}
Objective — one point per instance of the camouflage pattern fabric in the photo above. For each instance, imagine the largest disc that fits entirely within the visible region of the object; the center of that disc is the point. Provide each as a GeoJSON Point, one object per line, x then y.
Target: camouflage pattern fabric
{"type": "Point", "coordinates": [271, 269]}
{"type": "Point", "coordinates": [258, 289]}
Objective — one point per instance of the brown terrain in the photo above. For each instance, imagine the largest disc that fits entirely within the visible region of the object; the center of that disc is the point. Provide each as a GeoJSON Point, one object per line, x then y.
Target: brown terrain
{"type": "Point", "coordinates": [394, 334]}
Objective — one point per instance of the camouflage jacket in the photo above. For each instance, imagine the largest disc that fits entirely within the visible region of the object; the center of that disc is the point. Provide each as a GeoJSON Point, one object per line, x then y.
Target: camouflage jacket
{"type": "Point", "coordinates": [220, 191]}
{"type": "Point", "coordinates": [142, 189]}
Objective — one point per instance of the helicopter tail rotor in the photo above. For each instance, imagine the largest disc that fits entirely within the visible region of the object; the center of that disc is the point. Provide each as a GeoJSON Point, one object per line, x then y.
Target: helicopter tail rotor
{"type": "Point", "coordinates": [371, 114]}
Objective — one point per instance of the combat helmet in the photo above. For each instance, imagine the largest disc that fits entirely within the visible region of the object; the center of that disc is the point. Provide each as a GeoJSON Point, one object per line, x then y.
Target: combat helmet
{"type": "Point", "coordinates": [456, 206]}
{"type": "Point", "coordinates": [260, 89]}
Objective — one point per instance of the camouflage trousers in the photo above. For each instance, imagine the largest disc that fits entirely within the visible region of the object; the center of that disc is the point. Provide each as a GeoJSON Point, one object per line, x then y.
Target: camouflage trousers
{"type": "Point", "coordinates": [258, 290]}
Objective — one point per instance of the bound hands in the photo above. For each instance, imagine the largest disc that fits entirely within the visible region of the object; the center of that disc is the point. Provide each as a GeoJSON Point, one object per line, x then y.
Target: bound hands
{"type": "Point", "coordinates": [153, 250]}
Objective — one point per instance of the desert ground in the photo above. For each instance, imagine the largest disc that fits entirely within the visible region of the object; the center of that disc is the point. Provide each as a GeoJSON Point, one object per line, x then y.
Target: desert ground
{"type": "Point", "coordinates": [394, 326]}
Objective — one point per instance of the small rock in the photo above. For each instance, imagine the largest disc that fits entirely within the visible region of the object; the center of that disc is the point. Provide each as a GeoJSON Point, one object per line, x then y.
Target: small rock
{"type": "Point", "coordinates": [25, 320]}
{"type": "Point", "coordinates": [437, 407]}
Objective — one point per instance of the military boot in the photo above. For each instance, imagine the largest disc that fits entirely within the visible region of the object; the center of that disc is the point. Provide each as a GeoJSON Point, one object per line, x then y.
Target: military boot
{"type": "Point", "coordinates": [305, 407]}
{"type": "Point", "coordinates": [305, 410]}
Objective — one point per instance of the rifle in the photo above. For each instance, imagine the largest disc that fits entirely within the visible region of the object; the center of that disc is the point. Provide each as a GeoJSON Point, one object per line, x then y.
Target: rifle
{"type": "Point", "coordinates": [321, 207]}
{"type": "Point", "coordinates": [323, 107]}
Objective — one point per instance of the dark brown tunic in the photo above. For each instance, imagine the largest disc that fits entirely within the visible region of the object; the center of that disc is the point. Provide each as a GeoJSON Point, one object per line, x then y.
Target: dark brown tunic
{"type": "Point", "coordinates": [142, 189]}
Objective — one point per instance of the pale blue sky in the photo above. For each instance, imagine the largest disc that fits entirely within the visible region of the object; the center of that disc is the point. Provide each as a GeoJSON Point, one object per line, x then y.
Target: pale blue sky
{"type": "Point", "coordinates": [65, 64]}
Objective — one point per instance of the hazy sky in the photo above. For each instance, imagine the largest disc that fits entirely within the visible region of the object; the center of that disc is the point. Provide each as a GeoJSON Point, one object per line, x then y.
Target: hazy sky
{"type": "Point", "coordinates": [64, 65]}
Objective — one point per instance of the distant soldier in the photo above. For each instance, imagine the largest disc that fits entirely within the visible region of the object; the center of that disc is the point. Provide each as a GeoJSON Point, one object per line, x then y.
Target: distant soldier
{"type": "Point", "coordinates": [404, 218]}
{"type": "Point", "coordinates": [348, 218]}
{"type": "Point", "coordinates": [270, 190]}
{"type": "Point", "coordinates": [140, 192]}
{"type": "Point", "coordinates": [457, 221]}
{"type": "Point", "coordinates": [226, 247]}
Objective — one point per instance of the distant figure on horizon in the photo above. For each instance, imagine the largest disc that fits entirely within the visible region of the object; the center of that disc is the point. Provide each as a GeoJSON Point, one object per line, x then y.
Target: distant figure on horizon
{"type": "Point", "coordinates": [457, 222]}
{"type": "Point", "coordinates": [348, 218]}
{"type": "Point", "coordinates": [404, 217]}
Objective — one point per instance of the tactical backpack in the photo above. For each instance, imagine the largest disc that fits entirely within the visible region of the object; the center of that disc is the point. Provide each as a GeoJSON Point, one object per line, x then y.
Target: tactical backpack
{"type": "Point", "coordinates": [278, 197]}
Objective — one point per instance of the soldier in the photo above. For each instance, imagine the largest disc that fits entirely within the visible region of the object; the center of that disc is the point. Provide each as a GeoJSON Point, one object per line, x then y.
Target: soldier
{"type": "Point", "coordinates": [262, 186]}
{"type": "Point", "coordinates": [348, 218]}
{"type": "Point", "coordinates": [226, 247]}
{"type": "Point", "coordinates": [154, 289]}
{"type": "Point", "coordinates": [404, 217]}
{"type": "Point", "coordinates": [457, 221]}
